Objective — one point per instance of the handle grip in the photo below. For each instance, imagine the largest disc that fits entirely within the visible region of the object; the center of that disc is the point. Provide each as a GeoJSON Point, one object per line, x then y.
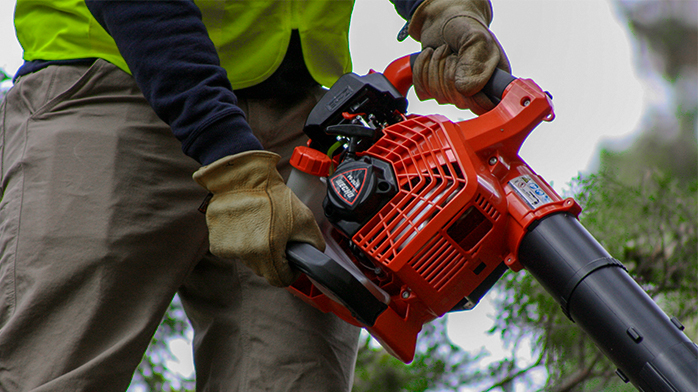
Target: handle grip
{"type": "Point", "coordinates": [498, 83]}
{"type": "Point", "coordinates": [336, 281]}
{"type": "Point", "coordinates": [399, 73]}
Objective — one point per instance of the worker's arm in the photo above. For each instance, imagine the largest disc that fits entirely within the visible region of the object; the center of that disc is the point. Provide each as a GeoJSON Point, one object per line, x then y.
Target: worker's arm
{"type": "Point", "coordinates": [406, 8]}
{"type": "Point", "coordinates": [175, 64]}
{"type": "Point", "coordinates": [252, 214]}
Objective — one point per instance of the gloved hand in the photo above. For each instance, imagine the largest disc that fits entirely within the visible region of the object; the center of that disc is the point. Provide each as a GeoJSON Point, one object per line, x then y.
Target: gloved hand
{"type": "Point", "coordinates": [253, 214]}
{"type": "Point", "coordinates": [459, 52]}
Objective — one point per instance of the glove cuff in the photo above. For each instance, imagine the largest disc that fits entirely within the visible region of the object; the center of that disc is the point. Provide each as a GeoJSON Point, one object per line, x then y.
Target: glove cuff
{"type": "Point", "coordinates": [245, 170]}
{"type": "Point", "coordinates": [436, 13]}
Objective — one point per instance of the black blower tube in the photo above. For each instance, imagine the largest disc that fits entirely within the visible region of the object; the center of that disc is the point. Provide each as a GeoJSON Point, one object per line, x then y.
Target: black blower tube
{"type": "Point", "coordinates": [596, 292]}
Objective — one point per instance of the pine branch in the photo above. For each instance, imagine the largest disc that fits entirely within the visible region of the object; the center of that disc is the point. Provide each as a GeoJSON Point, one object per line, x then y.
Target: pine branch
{"type": "Point", "coordinates": [507, 380]}
{"type": "Point", "coordinates": [579, 377]}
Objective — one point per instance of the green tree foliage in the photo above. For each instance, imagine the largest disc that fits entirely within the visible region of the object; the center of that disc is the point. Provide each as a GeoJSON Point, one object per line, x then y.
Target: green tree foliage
{"type": "Point", "coordinates": [652, 225]}
{"type": "Point", "coordinates": [665, 36]}
{"type": "Point", "coordinates": [5, 83]}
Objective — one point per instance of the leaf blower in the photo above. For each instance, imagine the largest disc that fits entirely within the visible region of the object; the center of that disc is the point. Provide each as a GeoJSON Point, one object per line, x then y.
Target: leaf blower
{"type": "Point", "coordinates": [423, 215]}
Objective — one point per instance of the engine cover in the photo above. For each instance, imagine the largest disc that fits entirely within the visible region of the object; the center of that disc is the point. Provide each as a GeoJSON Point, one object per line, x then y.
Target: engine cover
{"type": "Point", "coordinates": [356, 191]}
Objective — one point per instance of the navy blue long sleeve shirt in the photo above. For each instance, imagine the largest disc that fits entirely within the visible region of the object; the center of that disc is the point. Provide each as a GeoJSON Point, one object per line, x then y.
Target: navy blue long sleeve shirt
{"type": "Point", "coordinates": [176, 66]}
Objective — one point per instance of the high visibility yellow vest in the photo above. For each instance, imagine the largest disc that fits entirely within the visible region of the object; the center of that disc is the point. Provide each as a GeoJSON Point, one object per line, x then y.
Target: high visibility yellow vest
{"type": "Point", "coordinates": [251, 36]}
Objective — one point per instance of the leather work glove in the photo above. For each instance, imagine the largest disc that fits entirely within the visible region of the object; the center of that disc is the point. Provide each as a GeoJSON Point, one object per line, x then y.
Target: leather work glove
{"type": "Point", "coordinates": [253, 214]}
{"type": "Point", "coordinates": [459, 52]}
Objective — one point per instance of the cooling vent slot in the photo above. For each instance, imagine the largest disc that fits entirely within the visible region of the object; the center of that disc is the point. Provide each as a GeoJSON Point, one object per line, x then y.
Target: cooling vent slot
{"type": "Point", "coordinates": [487, 208]}
{"type": "Point", "coordinates": [470, 228]}
{"type": "Point", "coordinates": [437, 261]}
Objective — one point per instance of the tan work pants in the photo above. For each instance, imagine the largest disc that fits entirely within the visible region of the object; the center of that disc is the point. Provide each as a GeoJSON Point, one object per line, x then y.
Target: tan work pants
{"type": "Point", "coordinates": [99, 229]}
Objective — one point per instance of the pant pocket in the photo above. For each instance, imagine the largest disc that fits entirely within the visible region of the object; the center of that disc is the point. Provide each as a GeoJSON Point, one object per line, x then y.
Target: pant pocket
{"type": "Point", "coordinates": [42, 90]}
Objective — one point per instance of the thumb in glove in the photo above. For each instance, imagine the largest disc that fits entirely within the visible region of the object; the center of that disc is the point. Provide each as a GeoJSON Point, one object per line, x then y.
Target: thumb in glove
{"type": "Point", "coordinates": [253, 214]}
{"type": "Point", "coordinates": [459, 52]}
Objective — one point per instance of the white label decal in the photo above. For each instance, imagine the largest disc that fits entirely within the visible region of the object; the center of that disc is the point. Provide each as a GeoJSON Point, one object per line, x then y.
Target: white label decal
{"type": "Point", "coordinates": [530, 192]}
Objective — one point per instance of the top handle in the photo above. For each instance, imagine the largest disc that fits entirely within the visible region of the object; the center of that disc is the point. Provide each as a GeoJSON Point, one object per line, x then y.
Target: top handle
{"type": "Point", "coordinates": [399, 73]}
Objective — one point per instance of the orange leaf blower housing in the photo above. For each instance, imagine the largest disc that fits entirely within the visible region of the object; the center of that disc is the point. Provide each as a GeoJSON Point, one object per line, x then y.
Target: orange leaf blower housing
{"type": "Point", "coordinates": [463, 201]}
{"type": "Point", "coordinates": [422, 216]}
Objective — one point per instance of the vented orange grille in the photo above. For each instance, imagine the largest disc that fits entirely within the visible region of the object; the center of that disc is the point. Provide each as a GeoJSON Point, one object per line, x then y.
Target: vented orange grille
{"type": "Point", "coordinates": [428, 178]}
{"type": "Point", "coordinates": [431, 183]}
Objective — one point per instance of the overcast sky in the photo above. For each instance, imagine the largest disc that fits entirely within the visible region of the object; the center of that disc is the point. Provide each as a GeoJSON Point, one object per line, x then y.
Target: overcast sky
{"type": "Point", "coordinates": [576, 49]}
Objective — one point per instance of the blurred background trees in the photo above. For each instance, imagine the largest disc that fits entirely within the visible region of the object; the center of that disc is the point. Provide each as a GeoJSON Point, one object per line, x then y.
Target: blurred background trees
{"type": "Point", "coordinates": [640, 203]}
{"type": "Point", "coordinates": [5, 83]}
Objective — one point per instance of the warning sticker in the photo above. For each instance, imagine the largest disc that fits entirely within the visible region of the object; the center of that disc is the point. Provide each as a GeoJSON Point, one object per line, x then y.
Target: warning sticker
{"type": "Point", "coordinates": [348, 184]}
{"type": "Point", "coordinates": [530, 192]}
